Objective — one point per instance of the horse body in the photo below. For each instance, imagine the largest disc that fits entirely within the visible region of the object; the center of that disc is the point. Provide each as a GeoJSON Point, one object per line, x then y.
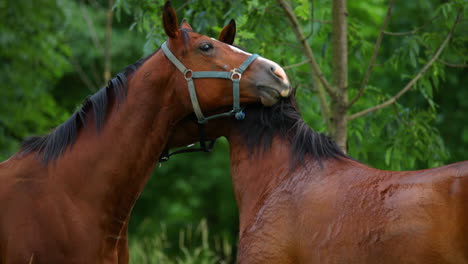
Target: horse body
{"type": "Point", "coordinates": [301, 200]}
{"type": "Point", "coordinates": [67, 198]}
{"type": "Point", "coordinates": [79, 205]}
{"type": "Point", "coordinates": [346, 212]}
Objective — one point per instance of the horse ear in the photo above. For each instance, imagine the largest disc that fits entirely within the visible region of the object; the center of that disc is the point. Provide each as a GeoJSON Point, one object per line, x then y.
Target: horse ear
{"type": "Point", "coordinates": [185, 25]}
{"type": "Point", "coordinates": [170, 21]}
{"type": "Point", "coordinates": [228, 33]}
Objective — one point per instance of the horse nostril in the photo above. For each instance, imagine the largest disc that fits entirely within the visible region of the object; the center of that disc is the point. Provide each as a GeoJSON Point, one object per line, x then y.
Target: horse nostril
{"type": "Point", "coordinates": [273, 70]}
{"type": "Point", "coordinates": [276, 72]}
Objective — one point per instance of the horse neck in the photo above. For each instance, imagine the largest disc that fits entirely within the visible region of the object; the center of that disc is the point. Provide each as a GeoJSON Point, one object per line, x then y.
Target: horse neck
{"type": "Point", "coordinates": [108, 170]}
{"type": "Point", "coordinates": [256, 175]}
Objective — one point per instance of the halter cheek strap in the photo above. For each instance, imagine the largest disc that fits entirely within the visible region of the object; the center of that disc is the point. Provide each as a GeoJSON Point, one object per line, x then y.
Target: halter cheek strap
{"type": "Point", "coordinates": [234, 75]}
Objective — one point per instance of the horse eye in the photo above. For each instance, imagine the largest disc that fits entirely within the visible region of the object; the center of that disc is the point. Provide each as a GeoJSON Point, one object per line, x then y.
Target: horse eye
{"type": "Point", "coordinates": [206, 47]}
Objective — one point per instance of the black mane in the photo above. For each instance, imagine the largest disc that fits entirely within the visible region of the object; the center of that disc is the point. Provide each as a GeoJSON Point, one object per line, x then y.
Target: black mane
{"type": "Point", "coordinates": [54, 144]}
{"type": "Point", "coordinates": [283, 119]}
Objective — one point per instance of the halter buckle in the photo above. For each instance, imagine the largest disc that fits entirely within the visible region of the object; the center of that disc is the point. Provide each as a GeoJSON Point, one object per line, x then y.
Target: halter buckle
{"type": "Point", "coordinates": [235, 75]}
{"type": "Point", "coordinates": [188, 74]}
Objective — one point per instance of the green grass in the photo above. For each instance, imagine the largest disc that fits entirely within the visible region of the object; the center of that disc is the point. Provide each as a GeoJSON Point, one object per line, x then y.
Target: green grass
{"type": "Point", "coordinates": [193, 247]}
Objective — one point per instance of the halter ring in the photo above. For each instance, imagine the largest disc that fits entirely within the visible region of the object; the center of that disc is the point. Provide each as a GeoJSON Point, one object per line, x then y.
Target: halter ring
{"type": "Point", "coordinates": [188, 74]}
{"type": "Point", "coordinates": [235, 75]}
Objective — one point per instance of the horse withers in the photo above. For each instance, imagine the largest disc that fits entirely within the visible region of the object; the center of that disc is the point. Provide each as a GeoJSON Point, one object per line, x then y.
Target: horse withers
{"type": "Point", "coordinates": [67, 197]}
{"type": "Point", "coordinates": [302, 200]}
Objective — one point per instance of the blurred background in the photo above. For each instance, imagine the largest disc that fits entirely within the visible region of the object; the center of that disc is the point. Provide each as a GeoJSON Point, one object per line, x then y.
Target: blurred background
{"type": "Point", "coordinates": [54, 53]}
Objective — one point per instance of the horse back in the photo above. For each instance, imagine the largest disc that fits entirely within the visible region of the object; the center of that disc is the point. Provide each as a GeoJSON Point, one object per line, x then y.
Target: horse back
{"type": "Point", "coordinates": [423, 214]}
{"type": "Point", "coordinates": [429, 212]}
{"type": "Point", "coordinates": [356, 214]}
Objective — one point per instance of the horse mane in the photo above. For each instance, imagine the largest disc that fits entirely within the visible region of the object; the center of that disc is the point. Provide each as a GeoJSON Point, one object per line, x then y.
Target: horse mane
{"type": "Point", "coordinates": [283, 119]}
{"type": "Point", "coordinates": [54, 144]}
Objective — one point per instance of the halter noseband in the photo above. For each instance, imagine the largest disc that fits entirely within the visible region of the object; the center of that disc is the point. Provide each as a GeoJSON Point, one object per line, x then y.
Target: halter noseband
{"type": "Point", "coordinates": [234, 75]}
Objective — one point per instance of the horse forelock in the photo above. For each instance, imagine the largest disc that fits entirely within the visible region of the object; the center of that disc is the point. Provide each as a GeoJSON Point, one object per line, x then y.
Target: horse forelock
{"type": "Point", "coordinates": [262, 124]}
{"type": "Point", "coordinates": [51, 146]}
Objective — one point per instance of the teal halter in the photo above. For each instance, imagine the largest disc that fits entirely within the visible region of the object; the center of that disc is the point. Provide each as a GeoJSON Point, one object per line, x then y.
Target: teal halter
{"type": "Point", "coordinates": [234, 75]}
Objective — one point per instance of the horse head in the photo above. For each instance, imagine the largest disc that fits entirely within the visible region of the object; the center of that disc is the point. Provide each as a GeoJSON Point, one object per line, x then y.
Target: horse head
{"type": "Point", "coordinates": [222, 74]}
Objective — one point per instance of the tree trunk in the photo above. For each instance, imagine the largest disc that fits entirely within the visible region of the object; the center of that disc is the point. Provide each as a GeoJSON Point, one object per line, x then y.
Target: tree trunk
{"type": "Point", "coordinates": [339, 102]}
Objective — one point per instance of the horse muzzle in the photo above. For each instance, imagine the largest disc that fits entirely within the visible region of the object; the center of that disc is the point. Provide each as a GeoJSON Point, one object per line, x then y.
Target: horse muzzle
{"type": "Point", "coordinates": [271, 81]}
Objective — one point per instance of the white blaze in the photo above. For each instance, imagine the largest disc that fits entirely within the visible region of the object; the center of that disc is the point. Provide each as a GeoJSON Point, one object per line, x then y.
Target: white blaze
{"type": "Point", "coordinates": [279, 71]}
{"type": "Point", "coordinates": [235, 49]}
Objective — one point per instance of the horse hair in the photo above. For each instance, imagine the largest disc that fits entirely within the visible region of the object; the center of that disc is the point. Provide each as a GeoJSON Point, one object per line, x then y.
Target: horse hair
{"type": "Point", "coordinates": [54, 144]}
{"type": "Point", "coordinates": [283, 119]}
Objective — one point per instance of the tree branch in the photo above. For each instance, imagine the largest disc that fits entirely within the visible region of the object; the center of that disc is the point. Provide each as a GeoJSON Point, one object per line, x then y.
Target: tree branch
{"type": "Point", "coordinates": [87, 81]}
{"type": "Point", "coordinates": [415, 79]}
{"type": "Point", "coordinates": [107, 52]}
{"type": "Point", "coordinates": [312, 17]}
{"type": "Point", "coordinates": [90, 24]}
{"type": "Point", "coordinates": [306, 48]}
{"type": "Point", "coordinates": [453, 64]}
{"type": "Point", "coordinates": [312, 20]}
{"type": "Point", "coordinates": [374, 55]}
{"type": "Point", "coordinates": [93, 35]}
{"type": "Point", "coordinates": [399, 33]}
{"type": "Point", "coordinates": [322, 21]}
{"type": "Point", "coordinates": [183, 5]}
{"type": "Point", "coordinates": [414, 31]}
{"type": "Point", "coordinates": [296, 65]}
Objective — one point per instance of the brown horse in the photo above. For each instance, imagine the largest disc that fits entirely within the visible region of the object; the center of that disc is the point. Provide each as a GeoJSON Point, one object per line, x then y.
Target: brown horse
{"type": "Point", "coordinates": [302, 200]}
{"type": "Point", "coordinates": [67, 197]}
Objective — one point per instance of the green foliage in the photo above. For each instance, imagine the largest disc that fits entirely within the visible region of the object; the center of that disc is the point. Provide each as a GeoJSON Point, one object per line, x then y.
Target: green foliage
{"type": "Point", "coordinates": [45, 52]}
{"type": "Point", "coordinates": [406, 127]}
{"type": "Point", "coordinates": [187, 188]}
{"type": "Point", "coordinates": [414, 142]}
{"type": "Point", "coordinates": [302, 10]}
{"type": "Point", "coordinates": [33, 55]}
